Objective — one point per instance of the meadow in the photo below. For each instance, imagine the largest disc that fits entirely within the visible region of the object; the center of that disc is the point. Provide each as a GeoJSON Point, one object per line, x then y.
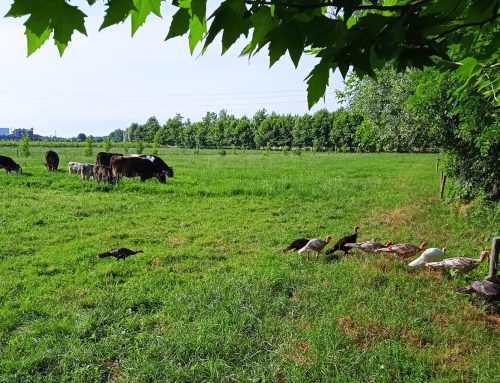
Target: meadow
{"type": "Point", "coordinates": [213, 298]}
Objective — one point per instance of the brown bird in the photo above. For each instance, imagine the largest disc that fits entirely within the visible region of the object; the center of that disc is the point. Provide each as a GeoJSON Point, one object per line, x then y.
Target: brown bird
{"type": "Point", "coordinates": [460, 264]}
{"type": "Point", "coordinates": [368, 246]}
{"type": "Point", "coordinates": [488, 290]}
{"type": "Point", "coordinates": [316, 244]}
{"type": "Point", "coordinates": [403, 250]}
{"type": "Point", "coordinates": [296, 245]}
{"type": "Point", "coordinates": [119, 253]}
{"type": "Point", "coordinates": [341, 243]}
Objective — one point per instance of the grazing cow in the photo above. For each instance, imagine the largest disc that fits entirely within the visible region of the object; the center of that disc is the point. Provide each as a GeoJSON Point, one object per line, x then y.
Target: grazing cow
{"type": "Point", "coordinates": [158, 163]}
{"type": "Point", "coordinates": [74, 167]}
{"type": "Point", "coordinates": [51, 160]}
{"type": "Point", "coordinates": [135, 167]}
{"type": "Point", "coordinates": [104, 158]}
{"type": "Point", "coordinates": [86, 171]}
{"type": "Point", "coordinates": [9, 165]}
{"type": "Point", "coordinates": [102, 173]}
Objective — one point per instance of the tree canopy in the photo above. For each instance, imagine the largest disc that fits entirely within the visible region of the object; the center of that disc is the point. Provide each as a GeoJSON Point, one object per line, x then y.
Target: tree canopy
{"type": "Point", "coordinates": [360, 34]}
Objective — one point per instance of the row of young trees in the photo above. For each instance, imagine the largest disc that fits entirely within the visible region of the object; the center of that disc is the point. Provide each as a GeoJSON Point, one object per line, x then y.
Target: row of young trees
{"type": "Point", "coordinates": [338, 130]}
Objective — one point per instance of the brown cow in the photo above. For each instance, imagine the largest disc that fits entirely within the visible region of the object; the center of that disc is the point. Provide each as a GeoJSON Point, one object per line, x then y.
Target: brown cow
{"type": "Point", "coordinates": [102, 173]}
{"type": "Point", "coordinates": [104, 158]}
{"type": "Point", "coordinates": [135, 167]}
{"type": "Point", "coordinates": [51, 160]}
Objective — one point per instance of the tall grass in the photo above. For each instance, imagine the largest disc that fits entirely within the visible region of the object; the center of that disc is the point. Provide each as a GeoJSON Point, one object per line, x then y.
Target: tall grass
{"type": "Point", "coordinates": [213, 298]}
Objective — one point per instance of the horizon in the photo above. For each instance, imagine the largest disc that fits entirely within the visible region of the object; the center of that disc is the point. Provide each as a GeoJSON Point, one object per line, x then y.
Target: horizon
{"type": "Point", "coordinates": [133, 79]}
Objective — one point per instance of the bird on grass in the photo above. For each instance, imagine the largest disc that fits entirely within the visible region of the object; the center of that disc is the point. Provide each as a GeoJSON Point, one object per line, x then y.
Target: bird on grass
{"type": "Point", "coordinates": [368, 246]}
{"type": "Point", "coordinates": [316, 244]}
{"type": "Point", "coordinates": [341, 243]}
{"type": "Point", "coordinates": [488, 290]}
{"type": "Point", "coordinates": [296, 245]}
{"type": "Point", "coordinates": [432, 254]}
{"type": "Point", "coordinates": [461, 265]}
{"type": "Point", "coordinates": [403, 250]}
{"type": "Point", "coordinates": [119, 253]}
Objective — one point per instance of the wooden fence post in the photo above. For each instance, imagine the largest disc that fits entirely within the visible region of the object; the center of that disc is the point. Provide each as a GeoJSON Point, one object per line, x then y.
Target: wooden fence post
{"type": "Point", "coordinates": [443, 183]}
{"type": "Point", "coordinates": [495, 249]}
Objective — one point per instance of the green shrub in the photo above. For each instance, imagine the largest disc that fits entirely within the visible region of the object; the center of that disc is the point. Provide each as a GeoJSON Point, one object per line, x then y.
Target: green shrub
{"type": "Point", "coordinates": [89, 147]}
{"type": "Point", "coordinates": [140, 147]}
{"type": "Point", "coordinates": [24, 146]}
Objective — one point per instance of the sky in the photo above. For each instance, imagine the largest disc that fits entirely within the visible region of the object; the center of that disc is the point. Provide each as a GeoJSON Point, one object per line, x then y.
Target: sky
{"type": "Point", "coordinates": [108, 80]}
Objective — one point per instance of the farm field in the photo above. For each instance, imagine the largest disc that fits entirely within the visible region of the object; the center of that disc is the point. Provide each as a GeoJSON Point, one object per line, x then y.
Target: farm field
{"type": "Point", "coordinates": [213, 298]}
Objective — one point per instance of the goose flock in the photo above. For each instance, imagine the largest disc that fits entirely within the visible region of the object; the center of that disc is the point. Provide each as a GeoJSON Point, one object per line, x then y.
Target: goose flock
{"type": "Point", "coordinates": [432, 258]}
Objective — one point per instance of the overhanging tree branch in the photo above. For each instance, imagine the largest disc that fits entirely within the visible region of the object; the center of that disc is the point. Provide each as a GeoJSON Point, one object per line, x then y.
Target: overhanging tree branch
{"type": "Point", "coordinates": [466, 25]}
{"type": "Point", "coordinates": [338, 4]}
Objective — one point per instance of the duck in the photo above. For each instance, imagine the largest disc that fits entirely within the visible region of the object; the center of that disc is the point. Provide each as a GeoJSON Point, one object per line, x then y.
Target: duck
{"type": "Point", "coordinates": [316, 244]}
{"type": "Point", "coordinates": [432, 254]}
{"type": "Point", "coordinates": [403, 250]}
{"type": "Point", "coordinates": [461, 265]}
{"type": "Point", "coordinates": [341, 243]}
{"type": "Point", "coordinates": [368, 246]}
{"type": "Point", "coordinates": [119, 253]}
{"type": "Point", "coordinates": [488, 290]}
{"type": "Point", "coordinates": [296, 245]}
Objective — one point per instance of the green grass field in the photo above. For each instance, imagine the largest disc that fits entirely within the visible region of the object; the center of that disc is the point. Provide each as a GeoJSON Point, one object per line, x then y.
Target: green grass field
{"type": "Point", "coordinates": [213, 298]}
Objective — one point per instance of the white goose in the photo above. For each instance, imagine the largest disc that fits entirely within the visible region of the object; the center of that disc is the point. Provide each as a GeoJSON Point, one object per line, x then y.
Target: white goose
{"type": "Point", "coordinates": [430, 255]}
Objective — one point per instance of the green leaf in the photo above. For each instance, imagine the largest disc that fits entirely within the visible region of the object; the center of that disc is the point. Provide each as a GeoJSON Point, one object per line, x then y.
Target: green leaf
{"type": "Point", "coordinates": [196, 31]}
{"type": "Point", "coordinates": [317, 81]}
{"type": "Point", "coordinates": [142, 10]}
{"type": "Point", "coordinates": [179, 24]}
{"type": "Point", "coordinates": [117, 11]}
{"type": "Point", "coordinates": [229, 17]}
{"type": "Point", "coordinates": [467, 67]}
{"type": "Point", "coordinates": [21, 8]}
{"type": "Point", "coordinates": [65, 19]}
{"type": "Point", "coordinates": [263, 23]}
{"type": "Point", "coordinates": [36, 41]}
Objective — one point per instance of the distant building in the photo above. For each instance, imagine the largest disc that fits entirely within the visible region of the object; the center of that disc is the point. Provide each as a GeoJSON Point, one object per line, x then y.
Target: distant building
{"type": "Point", "coordinates": [18, 133]}
{"type": "Point", "coordinates": [4, 131]}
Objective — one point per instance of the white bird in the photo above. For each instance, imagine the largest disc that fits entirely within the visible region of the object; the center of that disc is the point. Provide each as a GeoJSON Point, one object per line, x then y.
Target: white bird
{"type": "Point", "coordinates": [460, 264]}
{"type": "Point", "coordinates": [316, 244]}
{"type": "Point", "coordinates": [430, 255]}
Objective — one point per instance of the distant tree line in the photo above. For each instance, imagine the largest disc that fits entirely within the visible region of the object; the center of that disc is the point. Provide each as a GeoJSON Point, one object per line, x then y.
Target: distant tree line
{"type": "Point", "coordinates": [340, 130]}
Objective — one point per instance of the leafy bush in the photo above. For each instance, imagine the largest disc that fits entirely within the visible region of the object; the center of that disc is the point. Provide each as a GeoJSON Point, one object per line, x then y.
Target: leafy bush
{"type": "Point", "coordinates": [24, 146]}
{"type": "Point", "coordinates": [106, 144]}
{"type": "Point", "coordinates": [285, 149]}
{"type": "Point", "coordinates": [140, 147]}
{"type": "Point", "coordinates": [89, 147]}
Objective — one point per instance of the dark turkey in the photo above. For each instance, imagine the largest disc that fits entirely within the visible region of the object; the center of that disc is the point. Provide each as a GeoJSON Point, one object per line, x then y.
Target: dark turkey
{"type": "Point", "coordinates": [341, 243]}
{"type": "Point", "coordinates": [119, 253]}
{"type": "Point", "coordinates": [296, 245]}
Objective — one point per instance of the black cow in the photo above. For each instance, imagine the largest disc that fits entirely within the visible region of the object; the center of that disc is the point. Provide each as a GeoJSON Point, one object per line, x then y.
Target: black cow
{"type": "Point", "coordinates": [9, 165]}
{"type": "Point", "coordinates": [159, 164]}
{"type": "Point", "coordinates": [104, 158]}
{"type": "Point", "coordinates": [51, 160]}
{"type": "Point", "coordinates": [135, 167]}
